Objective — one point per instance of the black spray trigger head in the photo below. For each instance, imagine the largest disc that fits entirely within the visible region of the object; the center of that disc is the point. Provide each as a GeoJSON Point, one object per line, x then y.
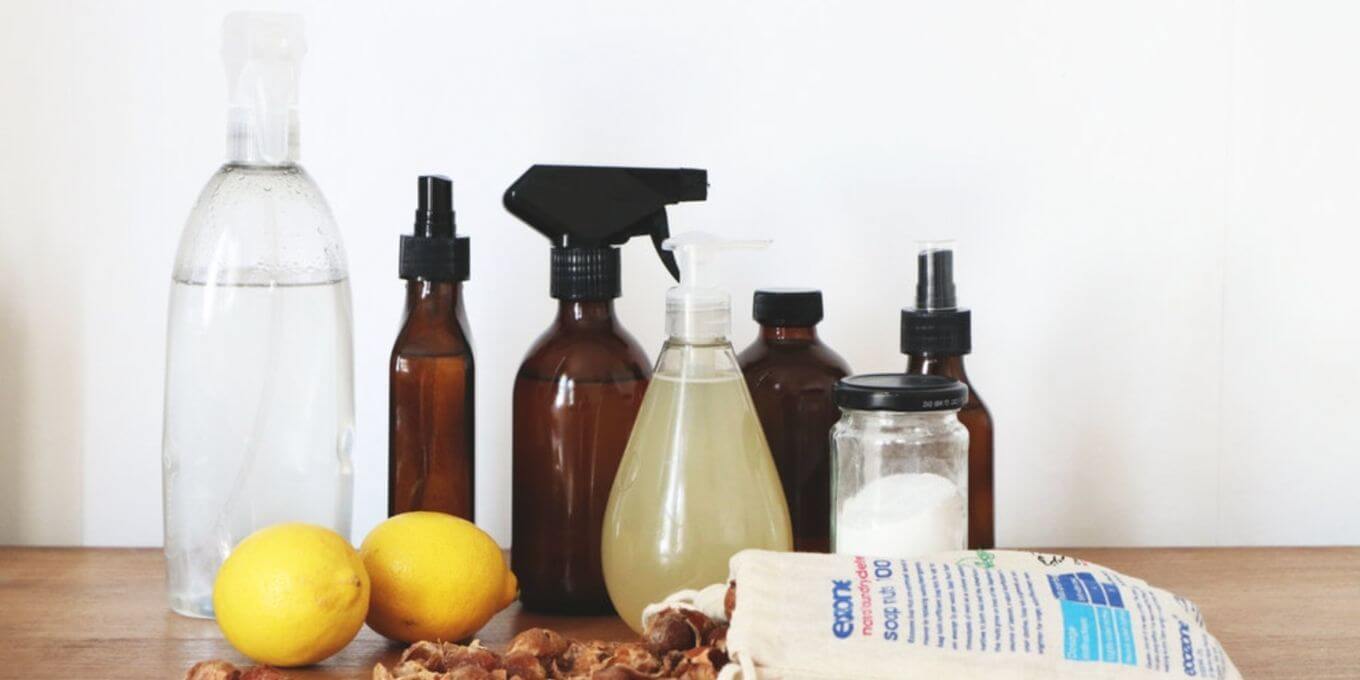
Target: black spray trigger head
{"type": "Point", "coordinates": [594, 206]}
{"type": "Point", "coordinates": [587, 211]}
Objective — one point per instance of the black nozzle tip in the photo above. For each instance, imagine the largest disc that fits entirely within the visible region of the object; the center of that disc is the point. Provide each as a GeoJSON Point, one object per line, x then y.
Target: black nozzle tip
{"type": "Point", "coordinates": [935, 279]}
{"type": "Point", "coordinates": [436, 193]}
{"type": "Point", "coordinates": [434, 206]}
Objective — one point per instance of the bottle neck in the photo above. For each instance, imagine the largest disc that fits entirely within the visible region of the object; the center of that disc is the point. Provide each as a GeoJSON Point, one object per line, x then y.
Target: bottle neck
{"type": "Point", "coordinates": [585, 314]}
{"type": "Point", "coordinates": [947, 365]}
{"type": "Point", "coordinates": [433, 297]}
{"type": "Point", "coordinates": [254, 139]}
{"type": "Point", "coordinates": [791, 334]}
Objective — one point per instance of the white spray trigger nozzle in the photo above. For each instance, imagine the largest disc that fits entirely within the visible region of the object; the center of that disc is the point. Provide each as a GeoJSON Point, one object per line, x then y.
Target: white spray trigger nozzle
{"type": "Point", "coordinates": [697, 309]}
{"type": "Point", "coordinates": [694, 249]}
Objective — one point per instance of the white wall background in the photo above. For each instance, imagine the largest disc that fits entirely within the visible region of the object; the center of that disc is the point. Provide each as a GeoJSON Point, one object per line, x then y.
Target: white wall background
{"type": "Point", "coordinates": [1157, 204]}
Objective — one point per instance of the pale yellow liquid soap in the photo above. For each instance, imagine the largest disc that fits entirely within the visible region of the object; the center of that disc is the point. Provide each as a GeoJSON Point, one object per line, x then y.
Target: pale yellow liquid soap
{"type": "Point", "coordinates": [696, 485]}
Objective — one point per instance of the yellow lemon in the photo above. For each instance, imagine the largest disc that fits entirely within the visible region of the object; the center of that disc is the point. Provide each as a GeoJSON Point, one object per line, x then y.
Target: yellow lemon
{"type": "Point", "coordinates": [435, 577]}
{"type": "Point", "coordinates": [291, 595]}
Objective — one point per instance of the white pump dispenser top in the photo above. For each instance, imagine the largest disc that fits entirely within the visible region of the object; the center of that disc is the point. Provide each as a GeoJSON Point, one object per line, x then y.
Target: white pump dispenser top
{"type": "Point", "coordinates": [697, 310]}
{"type": "Point", "coordinates": [262, 52]}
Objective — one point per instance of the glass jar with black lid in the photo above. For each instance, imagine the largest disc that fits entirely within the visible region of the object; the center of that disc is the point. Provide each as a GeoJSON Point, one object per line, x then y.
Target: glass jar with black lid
{"type": "Point", "coordinates": [899, 466]}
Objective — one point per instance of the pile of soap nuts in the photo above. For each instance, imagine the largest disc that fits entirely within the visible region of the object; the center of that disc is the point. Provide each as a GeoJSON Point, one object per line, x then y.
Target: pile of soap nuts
{"type": "Point", "coordinates": [679, 644]}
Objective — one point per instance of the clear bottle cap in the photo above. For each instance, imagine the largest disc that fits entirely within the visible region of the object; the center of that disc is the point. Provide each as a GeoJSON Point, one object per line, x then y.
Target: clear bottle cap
{"type": "Point", "coordinates": [262, 53]}
{"type": "Point", "coordinates": [697, 310]}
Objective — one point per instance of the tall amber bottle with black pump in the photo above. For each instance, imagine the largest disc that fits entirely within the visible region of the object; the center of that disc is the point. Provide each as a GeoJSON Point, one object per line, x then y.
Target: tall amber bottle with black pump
{"type": "Point", "coordinates": [430, 452]}
{"type": "Point", "coordinates": [581, 383]}
{"type": "Point", "coordinates": [936, 335]}
{"type": "Point", "coordinates": [790, 373]}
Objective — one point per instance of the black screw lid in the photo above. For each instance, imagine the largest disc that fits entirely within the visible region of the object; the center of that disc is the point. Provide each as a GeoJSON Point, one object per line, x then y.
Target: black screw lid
{"type": "Point", "coordinates": [585, 274]}
{"type": "Point", "coordinates": [927, 333]}
{"type": "Point", "coordinates": [787, 306]}
{"type": "Point", "coordinates": [900, 392]}
{"type": "Point", "coordinates": [434, 253]}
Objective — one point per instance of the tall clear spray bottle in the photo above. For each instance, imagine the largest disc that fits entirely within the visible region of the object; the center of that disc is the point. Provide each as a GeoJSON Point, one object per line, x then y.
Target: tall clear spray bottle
{"type": "Point", "coordinates": [259, 397]}
{"type": "Point", "coordinates": [697, 483]}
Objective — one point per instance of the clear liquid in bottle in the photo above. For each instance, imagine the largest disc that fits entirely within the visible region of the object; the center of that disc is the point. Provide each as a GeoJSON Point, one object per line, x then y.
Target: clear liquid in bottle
{"type": "Point", "coordinates": [259, 421]}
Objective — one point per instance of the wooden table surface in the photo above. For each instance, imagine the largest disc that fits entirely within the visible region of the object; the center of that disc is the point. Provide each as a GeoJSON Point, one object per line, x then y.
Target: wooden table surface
{"type": "Point", "coordinates": [100, 613]}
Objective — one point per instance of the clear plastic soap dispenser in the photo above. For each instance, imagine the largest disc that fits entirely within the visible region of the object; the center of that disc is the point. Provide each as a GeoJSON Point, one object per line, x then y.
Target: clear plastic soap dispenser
{"type": "Point", "coordinates": [697, 483]}
{"type": "Point", "coordinates": [259, 396]}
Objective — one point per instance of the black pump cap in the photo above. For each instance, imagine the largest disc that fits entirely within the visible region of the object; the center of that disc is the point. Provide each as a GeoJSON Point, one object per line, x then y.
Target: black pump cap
{"type": "Point", "coordinates": [586, 211]}
{"type": "Point", "coordinates": [900, 392]}
{"type": "Point", "coordinates": [936, 326]}
{"type": "Point", "coordinates": [787, 306]}
{"type": "Point", "coordinates": [434, 253]}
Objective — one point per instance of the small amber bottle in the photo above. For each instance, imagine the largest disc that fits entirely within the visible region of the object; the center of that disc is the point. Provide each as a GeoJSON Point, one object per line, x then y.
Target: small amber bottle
{"type": "Point", "coordinates": [790, 374]}
{"type": "Point", "coordinates": [936, 335]}
{"type": "Point", "coordinates": [430, 453]}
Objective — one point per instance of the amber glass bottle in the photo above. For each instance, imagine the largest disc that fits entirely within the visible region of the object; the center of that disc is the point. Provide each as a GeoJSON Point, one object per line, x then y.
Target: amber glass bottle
{"type": "Point", "coordinates": [430, 452]}
{"type": "Point", "coordinates": [580, 386]}
{"type": "Point", "coordinates": [576, 397]}
{"type": "Point", "coordinates": [790, 374]}
{"type": "Point", "coordinates": [936, 335]}
{"type": "Point", "coordinates": [978, 421]}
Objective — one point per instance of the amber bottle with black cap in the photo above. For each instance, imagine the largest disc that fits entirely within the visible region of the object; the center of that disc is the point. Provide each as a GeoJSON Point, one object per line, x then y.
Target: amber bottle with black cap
{"type": "Point", "coordinates": [936, 335]}
{"type": "Point", "coordinates": [791, 373]}
{"type": "Point", "coordinates": [581, 383]}
{"type": "Point", "coordinates": [430, 446]}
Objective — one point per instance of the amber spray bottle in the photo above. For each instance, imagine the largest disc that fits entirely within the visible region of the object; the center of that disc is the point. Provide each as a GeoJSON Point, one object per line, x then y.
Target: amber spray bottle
{"type": "Point", "coordinates": [791, 373]}
{"type": "Point", "coordinates": [430, 453]}
{"type": "Point", "coordinates": [580, 385]}
{"type": "Point", "coordinates": [936, 335]}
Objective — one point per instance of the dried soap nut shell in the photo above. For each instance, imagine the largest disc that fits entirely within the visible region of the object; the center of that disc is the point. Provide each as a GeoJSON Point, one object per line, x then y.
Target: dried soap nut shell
{"type": "Point", "coordinates": [539, 642]}
{"type": "Point", "coordinates": [428, 655]}
{"type": "Point", "coordinates": [702, 624]}
{"type": "Point", "coordinates": [458, 656]}
{"type": "Point", "coordinates": [215, 669]}
{"type": "Point", "coordinates": [582, 658]}
{"type": "Point", "coordinates": [468, 673]}
{"type": "Point", "coordinates": [669, 631]}
{"type": "Point", "coordinates": [523, 665]}
{"type": "Point", "coordinates": [619, 673]}
{"type": "Point", "coordinates": [635, 656]}
{"type": "Point", "coordinates": [412, 669]}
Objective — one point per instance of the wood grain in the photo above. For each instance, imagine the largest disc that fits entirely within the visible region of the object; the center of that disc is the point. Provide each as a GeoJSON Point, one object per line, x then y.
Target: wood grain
{"type": "Point", "coordinates": [101, 613]}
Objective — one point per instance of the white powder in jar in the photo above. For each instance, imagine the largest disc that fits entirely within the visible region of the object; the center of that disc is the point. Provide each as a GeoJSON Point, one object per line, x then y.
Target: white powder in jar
{"type": "Point", "coordinates": [903, 515]}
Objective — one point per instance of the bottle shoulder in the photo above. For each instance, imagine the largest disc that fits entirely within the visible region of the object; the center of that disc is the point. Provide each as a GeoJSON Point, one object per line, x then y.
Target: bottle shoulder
{"type": "Point", "coordinates": [258, 225]}
{"type": "Point", "coordinates": [952, 367]}
{"type": "Point", "coordinates": [791, 365]}
{"type": "Point", "coordinates": [595, 355]}
{"type": "Point", "coordinates": [429, 337]}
